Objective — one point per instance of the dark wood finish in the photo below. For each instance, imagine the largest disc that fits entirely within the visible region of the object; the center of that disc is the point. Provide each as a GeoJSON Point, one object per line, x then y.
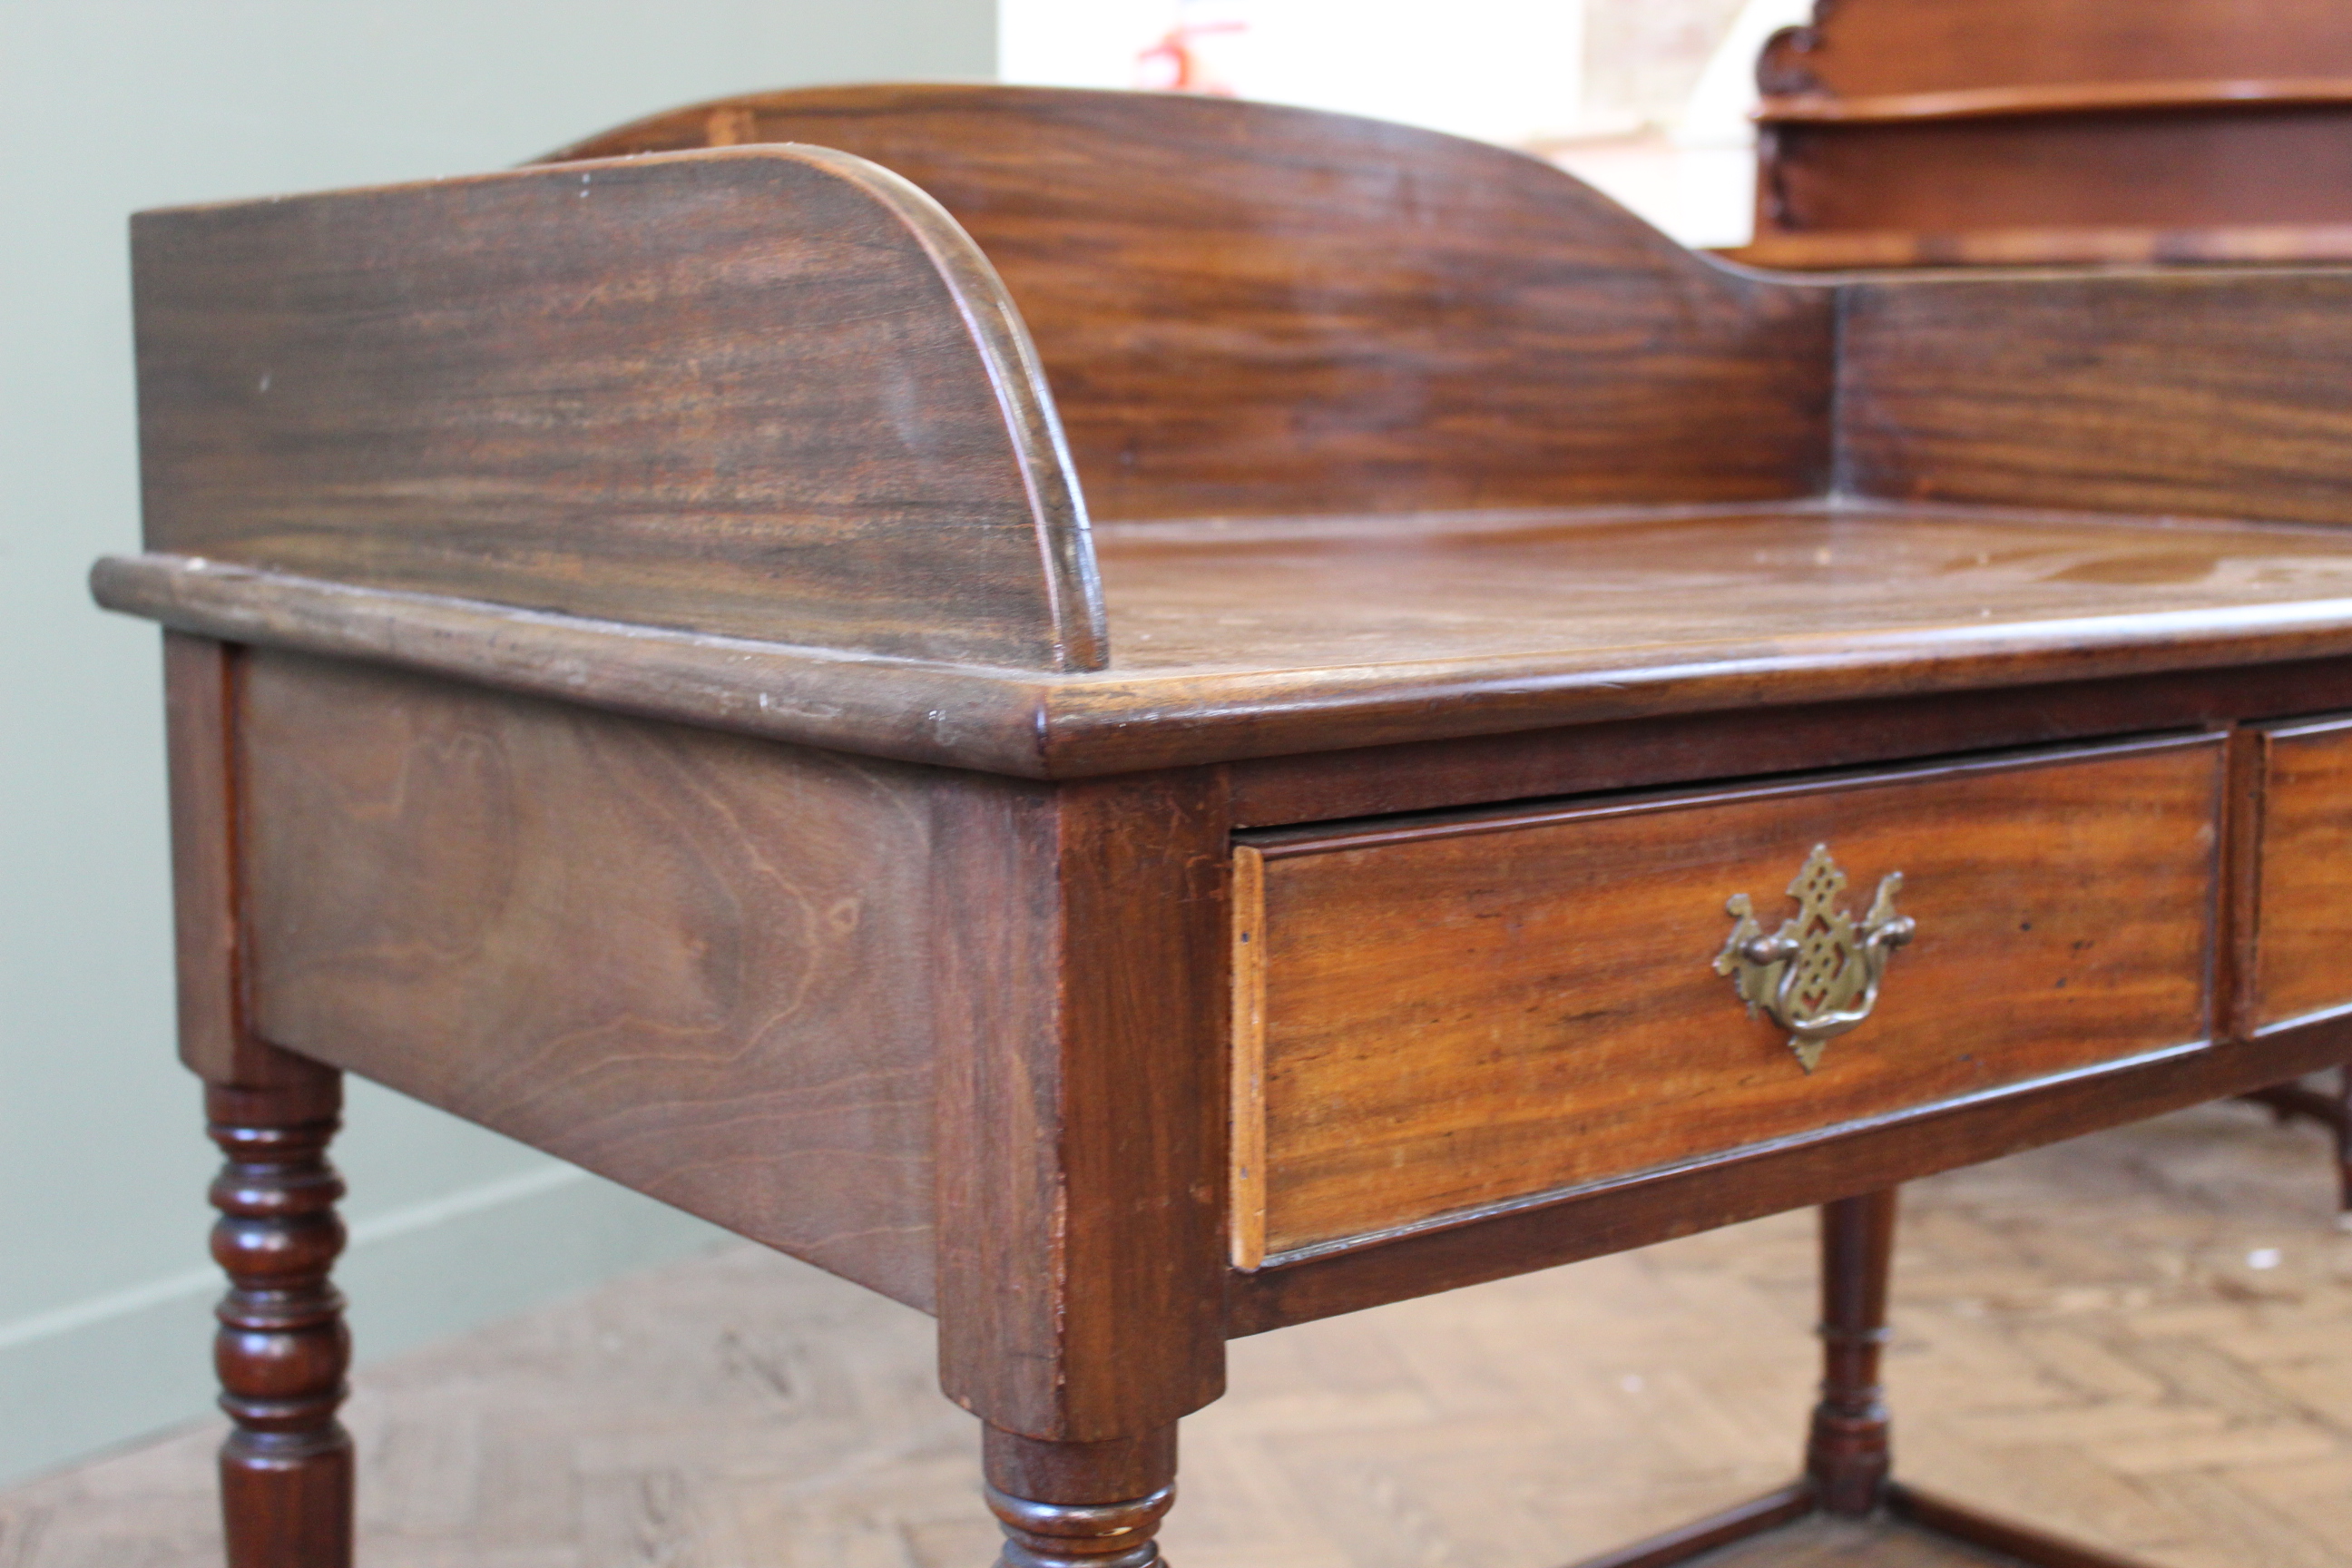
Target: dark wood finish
{"type": "Point", "coordinates": [518, 389]}
{"type": "Point", "coordinates": [1552, 969]}
{"type": "Point", "coordinates": [1250, 310]}
{"type": "Point", "coordinates": [679, 715]}
{"type": "Point", "coordinates": [1959, 1522]}
{"type": "Point", "coordinates": [2242, 245]}
{"type": "Point", "coordinates": [2059, 98]}
{"type": "Point", "coordinates": [199, 705]}
{"type": "Point", "coordinates": [723, 1004]}
{"type": "Point", "coordinates": [2332, 1111]}
{"type": "Point", "coordinates": [1699, 589]}
{"type": "Point", "coordinates": [1685, 1542]}
{"type": "Point", "coordinates": [1846, 1452]}
{"type": "Point", "coordinates": [286, 1469]}
{"type": "Point", "coordinates": [2239, 967]}
{"type": "Point", "coordinates": [1820, 1539]}
{"type": "Point", "coordinates": [1080, 1505]}
{"type": "Point", "coordinates": [2105, 392]}
{"type": "Point", "coordinates": [1873, 48]}
{"type": "Point", "coordinates": [1081, 1011]}
{"type": "Point", "coordinates": [2304, 903]}
{"type": "Point", "coordinates": [1536, 623]}
{"type": "Point", "coordinates": [1902, 132]}
{"type": "Point", "coordinates": [1645, 753]}
{"type": "Point", "coordinates": [217, 1040]}
{"type": "Point", "coordinates": [2219, 181]}
{"type": "Point", "coordinates": [872, 707]}
{"type": "Point", "coordinates": [2293, 1100]}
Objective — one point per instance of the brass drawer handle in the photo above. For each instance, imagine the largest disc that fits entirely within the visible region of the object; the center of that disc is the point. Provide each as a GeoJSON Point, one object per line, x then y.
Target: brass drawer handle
{"type": "Point", "coordinates": [1818, 975]}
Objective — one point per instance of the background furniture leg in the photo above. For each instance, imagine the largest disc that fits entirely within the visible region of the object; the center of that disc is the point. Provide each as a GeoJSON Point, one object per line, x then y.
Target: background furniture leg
{"type": "Point", "coordinates": [1846, 1454]}
{"type": "Point", "coordinates": [2343, 1128]}
{"type": "Point", "coordinates": [2332, 1111]}
{"type": "Point", "coordinates": [1080, 1505]}
{"type": "Point", "coordinates": [285, 1469]}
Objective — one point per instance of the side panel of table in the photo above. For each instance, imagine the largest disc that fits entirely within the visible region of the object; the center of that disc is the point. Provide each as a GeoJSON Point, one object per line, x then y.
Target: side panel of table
{"type": "Point", "coordinates": [687, 960]}
{"type": "Point", "coordinates": [952, 1036]}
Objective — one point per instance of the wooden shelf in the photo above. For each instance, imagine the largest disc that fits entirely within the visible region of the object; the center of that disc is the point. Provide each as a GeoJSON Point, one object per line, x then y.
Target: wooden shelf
{"type": "Point", "coordinates": [2055, 131]}
{"type": "Point", "coordinates": [2049, 97]}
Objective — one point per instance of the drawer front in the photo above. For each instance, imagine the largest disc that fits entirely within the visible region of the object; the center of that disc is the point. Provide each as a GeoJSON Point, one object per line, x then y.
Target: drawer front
{"type": "Point", "coordinates": [1435, 1018]}
{"type": "Point", "coordinates": [2303, 923]}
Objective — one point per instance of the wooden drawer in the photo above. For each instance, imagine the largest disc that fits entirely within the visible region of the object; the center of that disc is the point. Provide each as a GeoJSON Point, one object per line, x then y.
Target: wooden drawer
{"type": "Point", "coordinates": [2303, 923]}
{"type": "Point", "coordinates": [1438, 1016]}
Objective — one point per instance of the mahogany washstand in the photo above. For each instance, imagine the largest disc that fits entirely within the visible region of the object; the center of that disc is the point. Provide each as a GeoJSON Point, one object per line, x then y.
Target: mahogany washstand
{"type": "Point", "coordinates": [642, 677]}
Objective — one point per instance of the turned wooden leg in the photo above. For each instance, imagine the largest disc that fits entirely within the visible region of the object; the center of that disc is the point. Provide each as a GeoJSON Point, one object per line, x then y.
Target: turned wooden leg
{"type": "Point", "coordinates": [285, 1469]}
{"type": "Point", "coordinates": [1847, 1452]}
{"type": "Point", "coordinates": [1846, 1455]}
{"type": "Point", "coordinates": [1080, 1505]}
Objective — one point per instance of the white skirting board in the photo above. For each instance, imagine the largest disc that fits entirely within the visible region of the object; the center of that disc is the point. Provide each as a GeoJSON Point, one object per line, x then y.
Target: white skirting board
{"type": "Point", "coordinates": [113, 1370]}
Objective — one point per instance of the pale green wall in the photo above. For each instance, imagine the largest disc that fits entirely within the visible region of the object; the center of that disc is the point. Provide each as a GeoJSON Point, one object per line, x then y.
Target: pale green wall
{"type": "Point", "coordinates": [110, 105]}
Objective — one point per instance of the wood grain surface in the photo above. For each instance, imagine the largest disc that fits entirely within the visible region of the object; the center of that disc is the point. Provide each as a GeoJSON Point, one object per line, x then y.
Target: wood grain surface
{"type": "Point", "coordinates": [2303, 947]}
{"type": "Point", "coordinates": [1247, 309]}
{"type": "Point", "coordinates": [742, 978]}
{"type": "Point", "coordinates": [2073, 97]}
{"type": "Point", "coordinates": [1914, 133]}
{"type": "Point", "coordinates": [1667, 749]}
{"type": "Point", "coordinates": [1246, 1073]}
{"type": "Point", "coordinates": [1863, 249]}
{"type": "Point", "coordinates": [1462, 1013]}
{"type": "Point", "coordinates": [1408, 440]}
{"type": "Point", "coordinates": [2199, 393]}
{"type": "Point", "coordinates": [1079, 955]}
{"type": "Point", "coordinates": [1639, 1211]}
{"type": "Point", "coordinates": [200, 706]}
{"type": "Point", "coordinates": [1889, 46]}
{"type": "Point", "coordinates": [2165, 170]}
{"type": "Point", "coordinates": [1267, 639]}
{"type": "Point", "coordinates": [1641, 593]}
{"type": "Point", "coordinates": [688, 960]}
{"type": "Point", "coordinates": [1451, 371]}
{"type": "Point", "coordinates": [766, 392]}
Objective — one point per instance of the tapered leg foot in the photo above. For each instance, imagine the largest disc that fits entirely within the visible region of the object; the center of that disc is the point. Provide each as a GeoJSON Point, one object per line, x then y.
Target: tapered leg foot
{"type": "Point", "coordinates": [285, 1469]}
{"type": "Point", "coordinates": [1080, 1505]}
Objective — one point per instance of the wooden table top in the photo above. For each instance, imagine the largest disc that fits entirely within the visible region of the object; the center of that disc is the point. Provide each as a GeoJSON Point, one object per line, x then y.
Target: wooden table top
{"type": "Point", "coordinates": [1255, 637]}
{"type": "Point", "coordinates": [783, 439]}
{"type": "Point", "coordinates": [1569, 593]}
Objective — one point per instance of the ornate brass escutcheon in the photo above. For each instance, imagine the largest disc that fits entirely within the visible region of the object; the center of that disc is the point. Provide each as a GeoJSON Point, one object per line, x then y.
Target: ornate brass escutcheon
{"type": "Point", "coordinates": [1818, 975]}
